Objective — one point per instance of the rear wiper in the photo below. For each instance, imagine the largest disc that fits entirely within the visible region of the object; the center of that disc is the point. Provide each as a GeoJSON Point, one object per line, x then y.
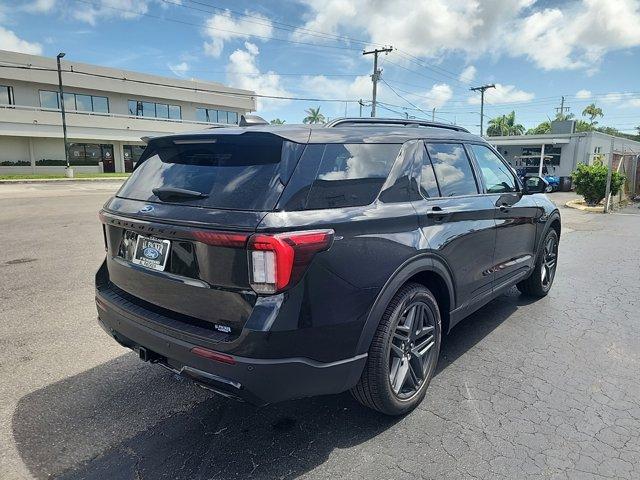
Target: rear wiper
{"type": "Point", "coordinates": [166, 193]}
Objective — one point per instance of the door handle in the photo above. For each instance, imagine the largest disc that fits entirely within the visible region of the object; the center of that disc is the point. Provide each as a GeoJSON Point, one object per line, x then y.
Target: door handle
{"type": "Point", "coordinates": [504, 208]}
{"type": "Point", "coordinates": [437, 213]}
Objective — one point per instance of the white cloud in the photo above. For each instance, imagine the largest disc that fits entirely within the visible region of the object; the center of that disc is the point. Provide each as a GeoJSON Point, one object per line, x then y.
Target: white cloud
{"type": "Point", "coordinates": [502, 94]}
{"type": "Point", "coordinates": [634, 102]}
{"type": "Point", "coordinates": [243, 72]}
{"type": "Point", "coordinates": [179, 69]}
{"type": "Point", "coordinates": [125, 9]}
{"type": "Point", "coordinates": [572, 35]}
{"type": "Point", "coordinates": [468, 74]}
{"type": "Point", "coordinates": [223, 27]}
{"type": "Point", "coordinates": [10, 41]}
{"type": "Point", "coordinates": [438, 95]}
{"type": "Point", "coordinates": [40, 6]}
{"type": "Point", "coordinates": [615, 97]}
{"type": "Point", "coordinates": [583, 94]}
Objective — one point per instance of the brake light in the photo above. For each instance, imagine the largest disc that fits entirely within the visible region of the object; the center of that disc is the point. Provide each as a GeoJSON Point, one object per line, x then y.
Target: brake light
{"type": "Point", "coordinates": [221, 239]}
{"type": "Point", "coordinates": [277, 261]}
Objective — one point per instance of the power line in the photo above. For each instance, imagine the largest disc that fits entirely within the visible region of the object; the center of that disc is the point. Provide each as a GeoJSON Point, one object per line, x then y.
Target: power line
{"type": "Point", "coordinates": [180, 87]}
{"type": "Point", "coordinates": [208, 27]}
{"type": "Point", "coordinates": [272, 23]}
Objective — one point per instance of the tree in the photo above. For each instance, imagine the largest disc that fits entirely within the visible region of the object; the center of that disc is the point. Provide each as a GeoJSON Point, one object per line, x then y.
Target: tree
{"type": "Point", "coordinates": [505, 125]}
{"type": "Point", "coordinates": [592, 112]}
{"type": "Point", "coordinates": [313, 116]}
{"type": "Point", "coordinates": [544, 127]}
{"type": "Point", "coordinates": [561, 117]}
{"type": "Point", "coordinates": [277, 121]}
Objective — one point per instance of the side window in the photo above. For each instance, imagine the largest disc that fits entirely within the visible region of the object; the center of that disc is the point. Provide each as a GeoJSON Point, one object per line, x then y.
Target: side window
{"type": "Point", "coordinates": [351, 175]}
{"type": "Point", "coordinates": [428, 182]}
{"type": "Point", "coordinates": [452, 169]}
{"type": "Point", "coordinates": [497, 177]}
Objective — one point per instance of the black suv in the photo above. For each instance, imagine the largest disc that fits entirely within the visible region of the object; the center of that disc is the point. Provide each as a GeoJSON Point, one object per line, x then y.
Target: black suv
{"type": "Point", "coordinates": [276, 262]}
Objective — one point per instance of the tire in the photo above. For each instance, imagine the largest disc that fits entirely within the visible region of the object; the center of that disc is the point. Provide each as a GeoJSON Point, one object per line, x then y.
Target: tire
{"type": "Point", "coordinates": [423, 332]}
{"type": "Point", "coordinates": [541, 279]}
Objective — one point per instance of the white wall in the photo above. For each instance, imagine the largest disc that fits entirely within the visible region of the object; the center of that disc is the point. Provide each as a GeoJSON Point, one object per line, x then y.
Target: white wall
{"type": "Point", "coordinates": [13, 149]}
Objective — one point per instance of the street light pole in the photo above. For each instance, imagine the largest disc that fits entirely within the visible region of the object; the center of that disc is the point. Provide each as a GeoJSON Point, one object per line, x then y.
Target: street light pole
{"type": "Point", "coordinates": [68, 171]}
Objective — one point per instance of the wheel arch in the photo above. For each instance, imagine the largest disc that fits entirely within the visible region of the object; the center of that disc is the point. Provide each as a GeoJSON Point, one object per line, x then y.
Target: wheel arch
{"type": "Point", "coordinates": [428, 270]}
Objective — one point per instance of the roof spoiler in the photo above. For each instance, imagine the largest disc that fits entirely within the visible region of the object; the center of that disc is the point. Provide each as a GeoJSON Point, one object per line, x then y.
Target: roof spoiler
{"type": "Point", "coordinates": [251, 121]}
{"type": "Point", "coordinates": [403, 122]}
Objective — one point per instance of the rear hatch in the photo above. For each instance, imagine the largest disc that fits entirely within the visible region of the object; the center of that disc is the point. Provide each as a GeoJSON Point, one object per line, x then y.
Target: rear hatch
{"type": "Point", "coordinates": [176, 231]}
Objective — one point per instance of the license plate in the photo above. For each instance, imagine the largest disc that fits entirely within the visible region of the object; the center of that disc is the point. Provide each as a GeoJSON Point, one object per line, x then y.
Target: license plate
{"type": "Point", "coordinates": [151, 252]}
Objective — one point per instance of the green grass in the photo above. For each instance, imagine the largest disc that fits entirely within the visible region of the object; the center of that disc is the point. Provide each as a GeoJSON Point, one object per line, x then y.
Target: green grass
{"type": "Point", "coordinates": [40, 176]}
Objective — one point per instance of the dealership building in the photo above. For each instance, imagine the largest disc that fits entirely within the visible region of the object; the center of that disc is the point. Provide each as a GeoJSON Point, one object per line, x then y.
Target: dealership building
{"type": "Point", "coordinates": [108, 111]}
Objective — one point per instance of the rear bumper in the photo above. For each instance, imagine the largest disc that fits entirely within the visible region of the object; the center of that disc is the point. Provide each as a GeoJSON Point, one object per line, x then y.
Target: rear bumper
{"type": "Point", "coordinates": [258, 381]}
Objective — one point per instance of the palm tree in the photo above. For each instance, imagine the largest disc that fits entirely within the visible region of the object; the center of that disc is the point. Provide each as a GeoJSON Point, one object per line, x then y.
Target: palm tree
{"type": "Point", "coordinates": [505, 125]}
{"type": "Point", "coordinates": [277, 121]}
{"type": "Point", "coordinates": [592, 112]}
{"type": "Point", "coordinates": [313, 116]}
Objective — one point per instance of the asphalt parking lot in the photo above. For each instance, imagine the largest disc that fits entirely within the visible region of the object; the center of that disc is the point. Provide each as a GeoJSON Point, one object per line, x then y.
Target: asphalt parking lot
{"type": "Point", "coordinates": [524, 389]}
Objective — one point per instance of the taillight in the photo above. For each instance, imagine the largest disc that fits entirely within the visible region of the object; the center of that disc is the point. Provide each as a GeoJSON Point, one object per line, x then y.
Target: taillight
{"type": "Point", "coordinates": [278, 261]}
{"type": "Point", "coordinates": [221, 239]}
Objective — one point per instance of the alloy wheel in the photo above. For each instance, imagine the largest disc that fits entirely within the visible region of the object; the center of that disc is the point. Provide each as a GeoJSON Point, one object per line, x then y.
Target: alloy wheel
{"type": "Point", "coordinates": [410, 355]}
{"type": "Point", "coordinates": [549, 261]}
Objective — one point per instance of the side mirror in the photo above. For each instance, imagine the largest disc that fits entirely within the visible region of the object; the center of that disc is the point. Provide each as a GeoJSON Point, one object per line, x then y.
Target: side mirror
{"type": "Point", "coordinates": [535, 185]}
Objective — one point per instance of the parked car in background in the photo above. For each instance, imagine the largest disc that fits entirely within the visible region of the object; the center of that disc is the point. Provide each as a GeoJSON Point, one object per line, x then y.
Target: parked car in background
{"type": "Point", "coordinates": [276, 262]}
{"type": "Point", "coordinates": [532, 171]}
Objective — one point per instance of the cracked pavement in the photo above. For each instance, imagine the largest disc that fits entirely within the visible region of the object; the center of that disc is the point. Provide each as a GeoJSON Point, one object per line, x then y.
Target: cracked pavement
{"type": "Point", "coordinates": [524, 389]}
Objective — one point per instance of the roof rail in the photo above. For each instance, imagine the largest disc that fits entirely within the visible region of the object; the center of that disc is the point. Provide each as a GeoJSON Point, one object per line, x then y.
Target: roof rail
{"type": "Point", "coordinates": [364, 122]}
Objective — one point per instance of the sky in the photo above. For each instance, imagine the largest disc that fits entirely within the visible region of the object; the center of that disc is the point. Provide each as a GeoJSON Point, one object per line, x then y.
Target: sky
{"type": "Point", "coordinates": [534, 52]}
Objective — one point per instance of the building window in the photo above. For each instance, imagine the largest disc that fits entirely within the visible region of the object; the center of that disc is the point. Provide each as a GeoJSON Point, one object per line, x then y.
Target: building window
{"type": "Point", "coordinates": [175, 112]}
{"type": "Point", "coordinates": [75, 101]}
{"type": "Point", "coordinates": [49, 99]}
{"type": "Point", "coordinates": [154, 110]}
{"type": "Point", "coordinates": [6, 95]}
{"type": "Point", "coordinates": [211, 115]}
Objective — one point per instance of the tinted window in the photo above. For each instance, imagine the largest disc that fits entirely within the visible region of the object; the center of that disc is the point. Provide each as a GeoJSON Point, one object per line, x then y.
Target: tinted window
{"type": "Point", "coordinates": [452, 169]}
{"type": "Point", "coordinates": [351, 174]}
{"type": "Point", "coordinates": [497, 177]}
{"type": "Point", "coordinates": [133, 107]}
{"type": "Point", "coordinates": [238, 173]}
{"type": "Point", "coordinates": [201, 114]}
{"type": "Point", "coordinates": [428, 183]}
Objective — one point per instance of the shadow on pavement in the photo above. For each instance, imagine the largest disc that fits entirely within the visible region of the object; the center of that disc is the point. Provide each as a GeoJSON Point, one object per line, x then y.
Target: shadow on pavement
{"type": "Point", "coordinates": [124, 419]}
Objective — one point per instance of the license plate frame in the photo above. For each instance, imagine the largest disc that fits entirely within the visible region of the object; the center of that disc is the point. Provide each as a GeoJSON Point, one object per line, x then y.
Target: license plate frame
{"type": "Point", "coordinates": [151, 252]}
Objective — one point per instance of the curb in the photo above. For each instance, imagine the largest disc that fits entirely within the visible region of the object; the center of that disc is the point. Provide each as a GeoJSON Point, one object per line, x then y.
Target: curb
{"type": "Point", "coordinates": [60, 180]}
{"type": "Point", "coordinates": [579, 205]}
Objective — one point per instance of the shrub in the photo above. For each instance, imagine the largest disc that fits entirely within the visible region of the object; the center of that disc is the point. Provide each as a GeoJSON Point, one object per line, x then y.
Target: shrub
{"type": "Point", "coordinates": [591, 181]}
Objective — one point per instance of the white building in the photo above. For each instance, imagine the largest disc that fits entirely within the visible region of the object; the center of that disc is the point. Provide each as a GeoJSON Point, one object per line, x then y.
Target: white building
{"type": "Point", "coordinates": [108, 111]}
{"type": "Point", "coordinates": [563, 151]}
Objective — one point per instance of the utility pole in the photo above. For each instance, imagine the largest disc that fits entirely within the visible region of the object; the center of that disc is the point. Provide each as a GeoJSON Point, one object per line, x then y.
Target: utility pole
{"type": "Point", "coordinates": [609, 174]}
{"type": "Point", "coordinates": [68, 171]}
{"type": "Point", "coordinates": [482, 89]}
{"type": "Point", "coordinates": [561, 109]}
{"type": "Point", "coordinates": [361, 103]}
{"type": "Point", "coordinates": [376, 73]}
{"type": "Point", "coordinates": [433, 114]}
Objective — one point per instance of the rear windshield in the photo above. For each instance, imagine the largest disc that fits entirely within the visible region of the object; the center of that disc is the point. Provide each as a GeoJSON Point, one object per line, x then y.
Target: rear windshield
{"type": "Point", "coordinates": [236, 172]}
